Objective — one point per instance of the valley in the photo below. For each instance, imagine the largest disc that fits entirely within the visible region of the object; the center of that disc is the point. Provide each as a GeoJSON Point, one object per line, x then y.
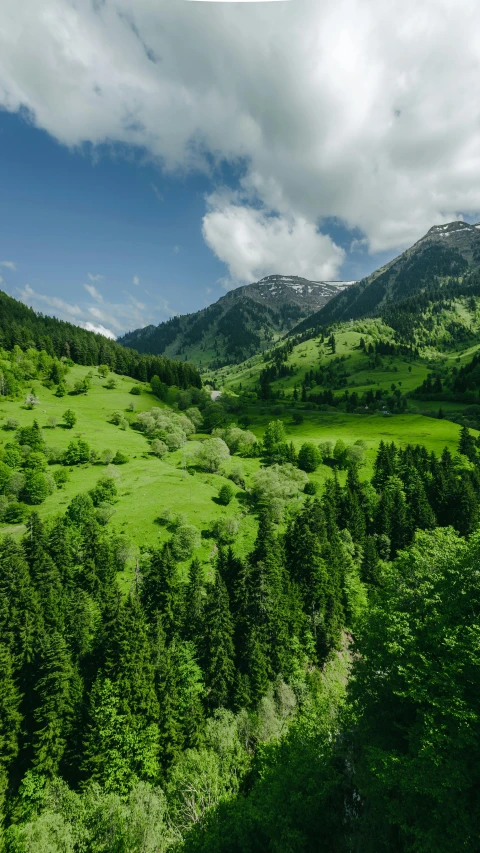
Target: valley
{"type": "Point", "coordinates": [204, 567]}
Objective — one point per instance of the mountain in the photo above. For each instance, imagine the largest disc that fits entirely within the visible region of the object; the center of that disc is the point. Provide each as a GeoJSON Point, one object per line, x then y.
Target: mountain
{"type": "Point", "coordinates": [242, 323]}
{"type": "Point", "coordinates": [445, 252]}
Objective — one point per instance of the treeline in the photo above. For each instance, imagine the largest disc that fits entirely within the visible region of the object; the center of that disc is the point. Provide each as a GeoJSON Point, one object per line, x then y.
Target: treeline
{"type": "Point", "coordinates": [22, 327]}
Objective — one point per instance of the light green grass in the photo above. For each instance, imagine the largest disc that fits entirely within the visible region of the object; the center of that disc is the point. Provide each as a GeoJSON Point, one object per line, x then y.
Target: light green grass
{"type": "Point", "coordinates": [146, 485]}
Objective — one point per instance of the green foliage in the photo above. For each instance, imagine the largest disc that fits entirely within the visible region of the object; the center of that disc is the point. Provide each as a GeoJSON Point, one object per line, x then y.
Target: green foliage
{"type": "Point", "coordinates": [309, 457]}
{"type": "Point", "coordinates": [225, 494]}
{"type": "Point", "coordinates": [69, 418]}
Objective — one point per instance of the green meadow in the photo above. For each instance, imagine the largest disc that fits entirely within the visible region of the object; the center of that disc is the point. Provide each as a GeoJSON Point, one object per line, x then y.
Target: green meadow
{"type": "Point", "coordinates": [148, 485]}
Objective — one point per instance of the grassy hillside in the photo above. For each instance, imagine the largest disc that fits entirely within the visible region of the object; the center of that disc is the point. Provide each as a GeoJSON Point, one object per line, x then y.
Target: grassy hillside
{"type": "Point", "coordinates": [148, 485]}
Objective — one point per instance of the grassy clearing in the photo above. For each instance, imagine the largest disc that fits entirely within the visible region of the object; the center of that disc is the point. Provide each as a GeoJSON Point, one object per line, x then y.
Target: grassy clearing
{"type": "Point", "coordinates": [146, 485]}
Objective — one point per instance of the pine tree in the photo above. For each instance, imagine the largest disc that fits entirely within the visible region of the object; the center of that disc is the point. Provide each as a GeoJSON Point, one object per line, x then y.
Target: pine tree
{"type": "Point", "coordinates": [466, 444]}
{"type": "Point", "coordinates": [10, 720]}
{"type": "Point", "coordinates": [160, 592]}
{"type": "Point", "coordinates": [129, 662]}
{"type": "Point", "coordinates": [59, 693]}
{"type": "Point", "coordinates": [116, 752]}
{"type": "Point", "coordinates": [193, 611]}
{"type": "Point", "coordinates": [218, 651]}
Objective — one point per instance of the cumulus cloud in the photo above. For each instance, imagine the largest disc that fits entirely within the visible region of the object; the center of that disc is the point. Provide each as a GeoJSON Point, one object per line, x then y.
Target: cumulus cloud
{"type": "Point", "coordinates": [254, 243]}
{"type": "Point", "coordinates": [98, 328]}
{"type": "Point", "coordinates": [108, 318]}
{"type": "Point", "coordinates": [362, 111]}
{"type": "Point", "coordinates": [9, 265]}
{"type": "Point", "coordinates": [92, 290]}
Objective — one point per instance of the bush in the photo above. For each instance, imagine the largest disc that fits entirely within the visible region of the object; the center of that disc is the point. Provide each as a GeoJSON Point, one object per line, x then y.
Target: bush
{"type": "Point", "coordinates": [159, 448]}
{"type": "Point", "coordinates": [12, 423]}
{"type": "Point", "coordinates": [36, 487]}
{"type": "Point", "coordinates": [185, 541]}
{"type": "Point", "coordinates": [309, 457]}
{"type": "Point", "coordinates": [212, 452]}
{"type": "Point", "coordinates": [225, 529]}
{"type": "Point", "coordinates": [15, 513]}
{"type": "Point", "coordinates": [225, 494]}
{"type": "Point", "coordinates": [120, 458]}
{"type": "Point", "coordinates": [310, 488]}
{"type": "Point", "coordinates": [110, 384]}
{"type": "Point", "coordinates": [61, 477]}
{"type": "Point", "coordinates": [136, 390]}
{"type": "Point", "coordinates": [104, 492]}
{"type": "Point", "coordinates": [69, 418]}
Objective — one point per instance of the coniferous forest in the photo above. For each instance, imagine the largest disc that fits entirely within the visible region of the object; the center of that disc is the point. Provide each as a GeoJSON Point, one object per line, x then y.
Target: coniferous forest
{"type": "Point", "coordinates": [318, 691]}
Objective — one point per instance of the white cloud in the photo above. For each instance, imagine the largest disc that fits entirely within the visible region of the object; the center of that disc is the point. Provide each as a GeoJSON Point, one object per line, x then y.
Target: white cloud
{"type": "Point", "coordinates": [176, 250]}
{"type": "Point", "coordinates": [98, 328]}
{"type": "Point", "coordinates": [157, 192]}
{"type": "Point", "coordinates": [92, 290]}
{"type": "Point", "coordinates": [9, 265]}
{"type": "Point", "coordinates": [136, 280]}
{"type": "Point", "coordinates": [119, 316]}
{"type": "Point", "coordinates": [61, 308]}
{"type": "Point", "coordinates": [362, 111]}
{"type": "Point", "coordinates": [254, 244]}
{"type": "Point", "coordinates": [95, 276]}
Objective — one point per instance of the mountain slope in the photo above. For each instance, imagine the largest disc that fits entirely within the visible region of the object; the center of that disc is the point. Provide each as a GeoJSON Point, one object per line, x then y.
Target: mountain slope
{"type": "Point", "coordinates": [243, 322]}
{"type": "Point", "coordinates": [23, 327]}
{"type": "Point", "coordinates": [445, 252]}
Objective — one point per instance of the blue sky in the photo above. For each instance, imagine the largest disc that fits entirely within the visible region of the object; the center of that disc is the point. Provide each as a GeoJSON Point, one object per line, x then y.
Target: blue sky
{"type": "Point", "coordinates": [154, 155]}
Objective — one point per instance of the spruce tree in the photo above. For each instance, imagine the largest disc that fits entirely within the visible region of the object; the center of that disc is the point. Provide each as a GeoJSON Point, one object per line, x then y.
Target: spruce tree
{"type": "Point", "coordinates": [218, 651]}
{"type": "Point", "coordinates": [129, 662]}
{"type": "Point", "coordinates": [59, 693]}
{"type": "Point", "coordinates": [10, 721]}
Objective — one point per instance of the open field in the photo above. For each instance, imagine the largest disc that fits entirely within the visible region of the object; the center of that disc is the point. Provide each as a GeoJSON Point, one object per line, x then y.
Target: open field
{"type": "Point", "coordinates": [146, 484]}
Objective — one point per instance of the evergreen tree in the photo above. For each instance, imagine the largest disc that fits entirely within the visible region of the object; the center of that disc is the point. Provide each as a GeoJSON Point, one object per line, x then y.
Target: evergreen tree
{"type": "Point", "coordinates": [194, 606]}
{"type": "Point", "coordinates": [10, 721]}
{"type": "Point", "coordinates": [129, 662]}
{"type": "Point", "coordinates": [160, 592]}
{"type": "Point", "coordinates": [466, 444]}
{"type": "Point", "coordinates": [59, 694]}
{"type": "Point", "coordinates": [218, 649]}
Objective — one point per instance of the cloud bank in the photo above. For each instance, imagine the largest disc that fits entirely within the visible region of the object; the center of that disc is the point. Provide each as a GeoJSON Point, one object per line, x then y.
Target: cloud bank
{"type": "Point", "coordinates": [367, 112]}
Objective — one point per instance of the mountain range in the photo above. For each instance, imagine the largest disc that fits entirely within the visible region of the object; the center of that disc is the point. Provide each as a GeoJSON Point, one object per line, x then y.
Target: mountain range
{"type": "Point", "coordinates": [249, 319]}
{"type": "Point", "coordinates": [242, 323]}
{"type": "Point", "coordinates": [445, 252]}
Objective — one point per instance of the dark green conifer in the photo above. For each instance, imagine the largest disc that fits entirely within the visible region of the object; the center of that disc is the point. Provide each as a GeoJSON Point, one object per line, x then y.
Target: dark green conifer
{"type": "Point", "coordinates": [218, 651]}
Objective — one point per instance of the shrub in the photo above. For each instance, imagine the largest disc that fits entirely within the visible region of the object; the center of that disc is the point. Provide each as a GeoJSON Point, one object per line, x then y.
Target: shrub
{"type": "Point", "coordinates": [110, 384]}
{"type": "Point", "coordinates": [69, 418]}
{"type": "Point", "coordinates": [309, 457]}
{"type": "Point", "coordinates": [136, 390]}
{"type": "Point", "coordinates": [12, 423]}
{"type": "Point", "coordinates": [184, 541]}
{"type": "Point", "coordinates": [212, 453]}
{"type": "Point", "coordinates": [61, 477]}
{"type": "Point", "coordinates": [104, 492]}
{"type": "Point", "coordinates": [120, 458]}
{"type": "Point", "coordinates": [225, 494]}
{"type": "Point", "coordinates": [36, 487]}
{"type": "Point", "coordinates": [159, 448]}
{"type": "Point", "coordinates": [225, 529]}
{"type": "Point", "coordinates": [310, 488]}
{"type": "Point", "coordinates": [15, 513]}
